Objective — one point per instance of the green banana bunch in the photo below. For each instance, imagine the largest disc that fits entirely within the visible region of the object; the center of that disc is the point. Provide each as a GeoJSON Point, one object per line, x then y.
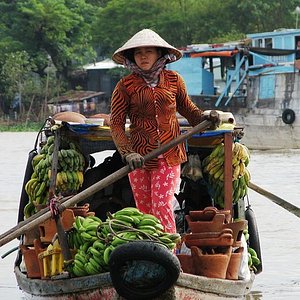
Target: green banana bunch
{"type": "Point", "coordinates": [37, 187]}
{"type": "Point", "coordinates": [81, 259]}
{"type": "Point", "coordinates": [90, 250]}
{"type": "Point", "coordinates": [69, 179]}
{"type": "Point", "coordinates": [95, 240]}
{"type": "Point", "coordinates": [246, 234]}
{"type": "Point", "coordinates": [253, 260]}
{"type": "Point", "coordinates": [89, 260]}
{"type": "Point", "coordinates": [213, 167]}
{"type": "Point", "coordinates": [29, 210]}
{"type": "Point", "coordinates": [84, 230]}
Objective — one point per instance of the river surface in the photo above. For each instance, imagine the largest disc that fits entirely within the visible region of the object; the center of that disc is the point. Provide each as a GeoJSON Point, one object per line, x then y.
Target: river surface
{"type": "Point", "coordinates": [276, 172]}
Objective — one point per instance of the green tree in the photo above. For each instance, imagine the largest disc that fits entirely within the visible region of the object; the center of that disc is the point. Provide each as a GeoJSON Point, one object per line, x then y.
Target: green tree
{"type": "Point", "coordinates": [121, 19]}
{"type": "Point", "coordinates": [17, 74]}
{"type": "Point", "coordinates": [59, 29]}
{"type": "Point", "coordinates": [265, 15]}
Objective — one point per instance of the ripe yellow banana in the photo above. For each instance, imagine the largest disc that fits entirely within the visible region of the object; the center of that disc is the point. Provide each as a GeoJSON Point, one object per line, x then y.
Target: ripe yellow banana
{"type": "Point", "coordinates": [242, 169]}
{"type": "Point", "coordinates": [80, 177]}
{"type": "Point", "coordinates": [235, 172]}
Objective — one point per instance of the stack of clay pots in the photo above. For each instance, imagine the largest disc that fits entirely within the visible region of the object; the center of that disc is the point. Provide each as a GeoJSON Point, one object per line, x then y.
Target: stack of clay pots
{"type": "Point", "coordinates": [36, 241]}
{"type": "Point", "coordinates": [214, 243]}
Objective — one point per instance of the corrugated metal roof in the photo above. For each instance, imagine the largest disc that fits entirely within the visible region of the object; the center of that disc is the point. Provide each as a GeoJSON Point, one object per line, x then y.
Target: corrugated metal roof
{"type": "Point", "coordinates": [277, 32]}
{"type": "Point", "coordinates": [72, 96]}
{"type": "Point", "coordinates": [104, 64]}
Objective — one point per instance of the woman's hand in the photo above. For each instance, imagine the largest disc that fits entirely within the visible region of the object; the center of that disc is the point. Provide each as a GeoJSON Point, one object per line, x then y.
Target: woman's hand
{"type": "Point", "coordinates": [214, 118]}
{"type": "Point", "coordinates": [134, 160]}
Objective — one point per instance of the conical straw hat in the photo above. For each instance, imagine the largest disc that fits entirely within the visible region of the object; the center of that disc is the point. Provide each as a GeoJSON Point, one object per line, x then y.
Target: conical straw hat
{"type": "Point", "coordinates": [145, 38]}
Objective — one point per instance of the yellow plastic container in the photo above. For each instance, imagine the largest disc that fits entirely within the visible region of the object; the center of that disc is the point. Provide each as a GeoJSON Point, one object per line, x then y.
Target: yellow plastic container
{"type": "Point", "coordinates": [53, 260]}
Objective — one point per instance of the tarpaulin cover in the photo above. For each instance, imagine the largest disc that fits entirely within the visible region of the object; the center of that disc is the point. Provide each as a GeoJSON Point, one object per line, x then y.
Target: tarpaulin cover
{"type": "Point", "coordinates": [272, 51]}
{"type": "Point", "coordinates": [215, 53]}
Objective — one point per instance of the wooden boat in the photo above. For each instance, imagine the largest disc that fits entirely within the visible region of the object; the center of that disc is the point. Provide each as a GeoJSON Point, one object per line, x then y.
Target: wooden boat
{"type": "Point", "coordinates": [257, 79]}
{"type": "Point", "coordinates": [101, 286]}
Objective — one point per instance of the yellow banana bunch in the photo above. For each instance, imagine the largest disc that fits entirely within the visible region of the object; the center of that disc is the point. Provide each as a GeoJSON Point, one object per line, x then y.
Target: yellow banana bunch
{"type": "Point", "coordinates": [240, 160]}
{"type": "Point", "coordinates": [241, 175]}
{"type": "Point", "coordinates": [213, 166]}
{"type": "Point", "coordinates": [69, 179]}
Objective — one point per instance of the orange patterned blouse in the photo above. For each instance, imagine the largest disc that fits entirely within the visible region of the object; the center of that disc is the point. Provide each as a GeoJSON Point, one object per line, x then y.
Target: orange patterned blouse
{"type": "Point", "coordinates": [152, 115]}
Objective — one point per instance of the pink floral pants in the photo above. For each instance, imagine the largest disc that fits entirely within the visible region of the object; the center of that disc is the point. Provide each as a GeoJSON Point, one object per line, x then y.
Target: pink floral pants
{"type": "Point", "coordinates": [154, 190]}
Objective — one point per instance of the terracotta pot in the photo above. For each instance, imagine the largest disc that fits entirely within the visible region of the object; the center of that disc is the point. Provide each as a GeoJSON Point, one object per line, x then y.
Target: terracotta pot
{"type": "Point", "coordinates": [209, 239]}
{"type": "Point", "coordinates": [215, 225]}
{"type": "Point", "coordinates": [208, 213]}
{"type": "Point", "coordinates": [38, 247]}
{"type": "Point", "coordinates": [48, 228]}
{"type": "Point", "coordinates": [31, 260]}
{"type": "Point", "coordinates": [210, 265]}
{"type": "Point", "coordinates": [81, 210]}
{"type": "Point", "coordinates": [234, 264]}
{"type": "Point", "coordinates": [237, 229]}
{"type": "Point", "coordinates": [31, 235]}
{"type": "Point", "coordinates": [186, 262]}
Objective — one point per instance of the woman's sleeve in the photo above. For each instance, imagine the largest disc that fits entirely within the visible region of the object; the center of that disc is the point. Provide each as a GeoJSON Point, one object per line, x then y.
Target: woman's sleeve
{"type": "Point", "coordinates": [119, 109]}
{"type": "Point", "coordinates": [185, 106]}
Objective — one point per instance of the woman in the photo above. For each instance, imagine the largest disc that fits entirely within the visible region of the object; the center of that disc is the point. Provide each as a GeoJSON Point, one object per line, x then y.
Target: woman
{"type": "Point", "coordinates": [150, 97]}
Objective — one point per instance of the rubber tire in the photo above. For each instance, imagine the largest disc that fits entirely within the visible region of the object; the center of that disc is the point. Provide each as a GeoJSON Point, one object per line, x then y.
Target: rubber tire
{"type": "Point", "coordinates": [254, 242]}
{"type": "Point", "coordinates": [288, 116]}
{"type": "Point", "coordinates": [146, 251]}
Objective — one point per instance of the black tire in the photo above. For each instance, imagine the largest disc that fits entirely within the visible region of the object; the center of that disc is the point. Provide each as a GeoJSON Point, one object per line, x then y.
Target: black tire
{"type": "Point", "coordinates": [142, 254]}
{"type": "Point", "coordinates": [254, 242]}
{"type": "Point", "coordinates": [288, 116]}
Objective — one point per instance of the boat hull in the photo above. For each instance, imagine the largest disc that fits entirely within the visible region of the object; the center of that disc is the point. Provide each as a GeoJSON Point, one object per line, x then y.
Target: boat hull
{"type": "Point", "coordinates": [100, 287]}
{"type": "Point", "coordinates": [265, 121]}
{"type": "Point", "coordinates": [268, 132]}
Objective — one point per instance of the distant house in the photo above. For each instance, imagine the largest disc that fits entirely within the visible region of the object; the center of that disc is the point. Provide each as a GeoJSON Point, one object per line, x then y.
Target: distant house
{"type": "Point", "coordinates": [96, 99]}
{"type": "Point", "coordinates": [84, 102]}
{"type": "Point", "coordinates": [99, 78]}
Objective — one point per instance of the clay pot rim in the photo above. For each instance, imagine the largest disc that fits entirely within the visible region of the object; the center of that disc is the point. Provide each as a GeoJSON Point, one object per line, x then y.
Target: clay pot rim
{"type": "Point", "coordinates": [208, 214]}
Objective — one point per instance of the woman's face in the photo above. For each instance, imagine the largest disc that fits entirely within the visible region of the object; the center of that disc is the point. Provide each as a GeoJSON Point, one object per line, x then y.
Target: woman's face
{"type": "Point", "coordinates": [145, 57]}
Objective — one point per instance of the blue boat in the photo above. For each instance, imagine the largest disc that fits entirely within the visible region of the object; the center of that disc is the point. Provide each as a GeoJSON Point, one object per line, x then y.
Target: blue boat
{"type": "Point", "coordinates": [257, 79]}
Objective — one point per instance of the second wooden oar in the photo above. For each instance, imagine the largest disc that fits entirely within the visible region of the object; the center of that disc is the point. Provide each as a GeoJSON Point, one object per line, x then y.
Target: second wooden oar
{"type": "Point", "coordinates": [45, 214]}
{"type": "Point", "coordinates": [279, 201]}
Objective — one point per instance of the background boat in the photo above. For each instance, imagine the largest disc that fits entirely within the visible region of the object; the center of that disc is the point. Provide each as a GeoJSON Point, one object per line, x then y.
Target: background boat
{"type": "Point", "coordinates": [257, 79]}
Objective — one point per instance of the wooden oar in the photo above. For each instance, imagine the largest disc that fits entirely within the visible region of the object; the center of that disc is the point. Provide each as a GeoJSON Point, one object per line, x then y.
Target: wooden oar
{"type": "Point", "coordinates": [279, 201]}
{"type": "Point", "coordinates": [45, 214]}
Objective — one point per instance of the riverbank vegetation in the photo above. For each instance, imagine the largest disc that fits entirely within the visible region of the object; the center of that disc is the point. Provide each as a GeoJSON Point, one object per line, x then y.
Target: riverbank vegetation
{"type": "Point", "coordinates": [20, 127]}
{"type": "Point", "coordinates": [45, 44]}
